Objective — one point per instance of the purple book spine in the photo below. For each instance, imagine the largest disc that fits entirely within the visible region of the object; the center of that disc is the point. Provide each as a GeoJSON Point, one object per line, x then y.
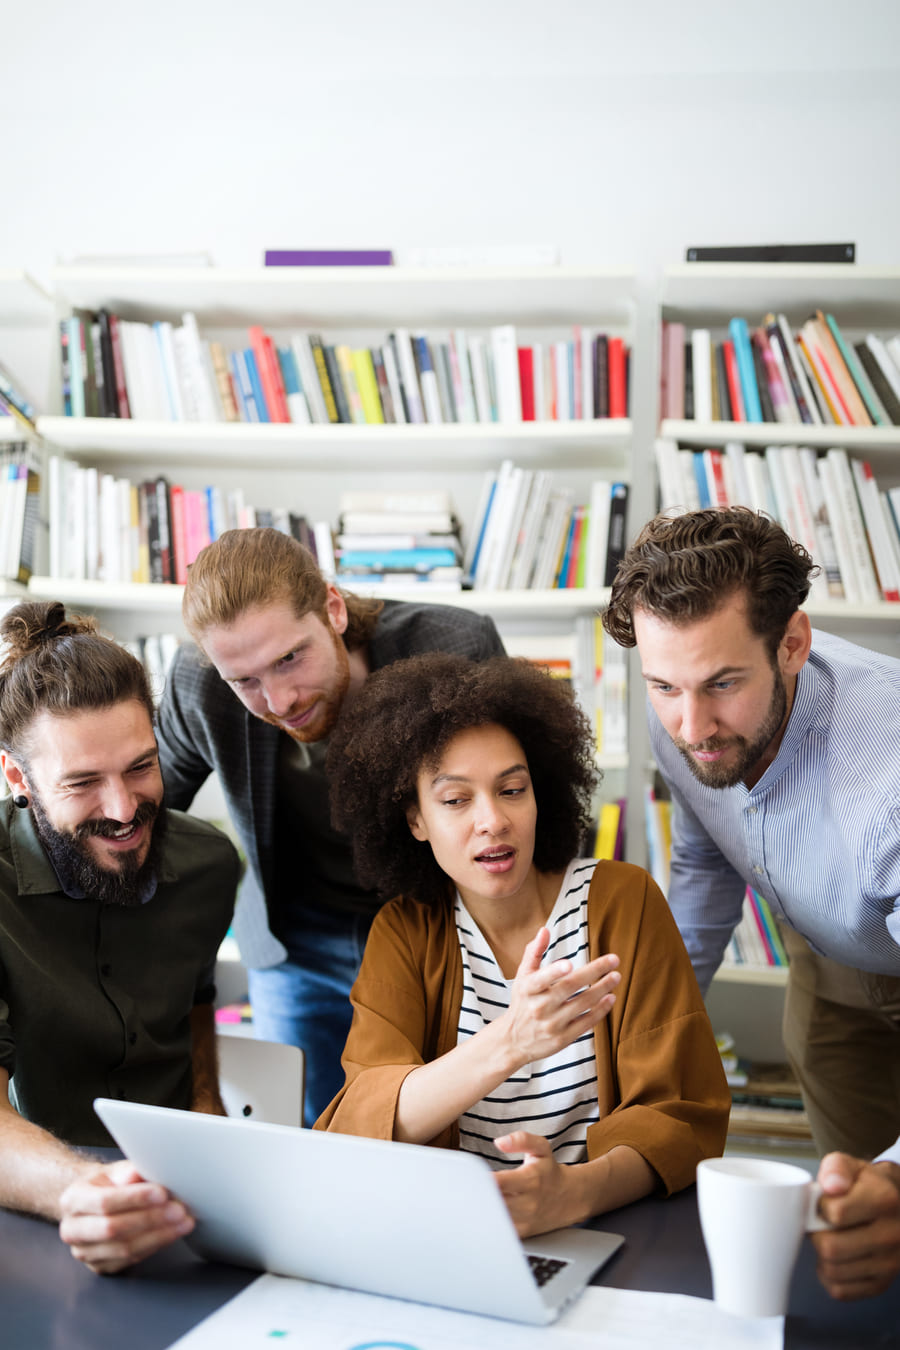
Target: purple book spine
{"type": "Point", "coordinates": [325, 257]}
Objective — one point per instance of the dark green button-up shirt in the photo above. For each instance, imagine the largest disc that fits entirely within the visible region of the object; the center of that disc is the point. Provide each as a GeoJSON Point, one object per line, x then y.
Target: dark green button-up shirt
{"type": "Point", "coordinates": [95, 1000]}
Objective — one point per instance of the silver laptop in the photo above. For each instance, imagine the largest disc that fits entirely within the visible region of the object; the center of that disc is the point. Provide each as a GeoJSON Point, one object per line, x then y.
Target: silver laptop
{"type": "Point", "coordinates": [425, 1224]}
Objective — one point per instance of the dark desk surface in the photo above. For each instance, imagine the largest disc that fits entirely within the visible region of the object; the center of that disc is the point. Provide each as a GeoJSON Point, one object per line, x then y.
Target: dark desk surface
{"type": "Point", "coordinates": [48, 1301]}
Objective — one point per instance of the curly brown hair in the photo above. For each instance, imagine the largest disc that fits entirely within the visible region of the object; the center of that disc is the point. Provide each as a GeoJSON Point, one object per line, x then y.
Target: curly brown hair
{"type": "Point", "coordinates": [682, 568]}
{"type": "Point", "coordinates": [55, 664]}
{"type": "Point", "coordinates": [246, 569]}
{"type": "Point", "coordinates": [402, 721]}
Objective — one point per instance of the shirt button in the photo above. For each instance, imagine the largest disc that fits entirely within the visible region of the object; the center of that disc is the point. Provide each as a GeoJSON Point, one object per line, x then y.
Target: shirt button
{"type": "Point", "coordinates": [758, 870]}
{"type": "Point", "coordinates": [751, 810]}
{"type": "Point", "coordinates": [106, 969]}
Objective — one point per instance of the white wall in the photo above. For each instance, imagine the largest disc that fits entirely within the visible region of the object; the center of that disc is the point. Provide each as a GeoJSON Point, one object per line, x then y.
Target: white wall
{"type": "Point", "coordinates": [620, 132]}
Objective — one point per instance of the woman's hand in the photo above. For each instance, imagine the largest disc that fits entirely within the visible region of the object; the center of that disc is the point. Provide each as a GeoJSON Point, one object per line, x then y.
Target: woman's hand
{"type": "Point", "coordinates": [551, 1006]}
{"type": "Point", "coordinates": [543, 1194]}
{"type": "Point", "coordinates": [537, 1194]}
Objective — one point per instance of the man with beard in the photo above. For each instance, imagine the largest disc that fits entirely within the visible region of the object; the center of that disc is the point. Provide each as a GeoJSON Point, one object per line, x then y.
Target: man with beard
{"type": "Point", "coordinates": [112, 910]}
{"type": "Point", "coordinates": [781, 748]}
{"type": "Point", "coordinates": [280, 651]}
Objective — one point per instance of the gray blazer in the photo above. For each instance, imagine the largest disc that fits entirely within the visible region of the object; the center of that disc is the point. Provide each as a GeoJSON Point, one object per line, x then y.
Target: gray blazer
{"type": "Point", "coordinates": [203, 728]}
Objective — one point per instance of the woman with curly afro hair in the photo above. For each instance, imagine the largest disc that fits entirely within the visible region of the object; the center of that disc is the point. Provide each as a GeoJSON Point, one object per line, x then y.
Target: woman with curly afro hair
{"type": "Point", "coordinates": [516, 999]}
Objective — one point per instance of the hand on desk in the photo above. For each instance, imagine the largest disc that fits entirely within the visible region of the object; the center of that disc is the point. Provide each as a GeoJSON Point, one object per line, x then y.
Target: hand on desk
{"type": "Point", "coordinates": [535, 1192]}
{"type": "Point", "coordinates": [861, 1256]}
{"type": "Point", "coordinates": [543, 1194]}
{"type": "Point", "coordinates": [112, 1218]}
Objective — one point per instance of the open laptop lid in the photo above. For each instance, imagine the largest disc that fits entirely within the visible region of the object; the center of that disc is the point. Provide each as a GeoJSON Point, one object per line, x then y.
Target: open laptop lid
{"type": "Point", "coordinates": [398, 1219]}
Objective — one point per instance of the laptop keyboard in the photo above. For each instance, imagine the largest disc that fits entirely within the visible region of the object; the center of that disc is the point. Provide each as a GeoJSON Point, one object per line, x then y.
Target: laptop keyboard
{"type": "Point", "coordinates": [543, 1268]}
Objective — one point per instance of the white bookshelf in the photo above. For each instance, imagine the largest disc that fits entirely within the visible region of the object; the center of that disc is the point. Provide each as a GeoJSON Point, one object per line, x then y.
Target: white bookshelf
{"type": "Point", "coordinates": [863, 299]}
{"type": "Point", "coordinates": [308, 466]}
{"type": "Point", "coordinates": [748, 999]}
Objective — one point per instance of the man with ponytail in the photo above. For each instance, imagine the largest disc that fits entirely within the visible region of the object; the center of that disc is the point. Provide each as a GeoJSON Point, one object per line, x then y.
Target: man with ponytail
{"type": "Point", "coordinates": [112, 910]}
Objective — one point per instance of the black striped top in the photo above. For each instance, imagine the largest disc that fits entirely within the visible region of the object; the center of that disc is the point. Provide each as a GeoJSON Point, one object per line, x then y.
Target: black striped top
{"type": "Point", "coordinates": [554, 1097]}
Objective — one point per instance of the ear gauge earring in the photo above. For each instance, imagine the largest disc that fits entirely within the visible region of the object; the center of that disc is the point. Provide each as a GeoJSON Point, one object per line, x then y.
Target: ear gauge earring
{"type": "Point", "coordinates": [20, 800]}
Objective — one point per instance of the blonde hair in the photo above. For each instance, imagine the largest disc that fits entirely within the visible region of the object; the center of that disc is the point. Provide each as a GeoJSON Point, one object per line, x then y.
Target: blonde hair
{"type": "Point", "coordinates": [249, 569]}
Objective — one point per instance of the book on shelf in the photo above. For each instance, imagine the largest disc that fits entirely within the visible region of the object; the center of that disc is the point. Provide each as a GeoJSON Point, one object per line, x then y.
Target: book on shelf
{"type": "Point", "coordinates": [772, 253]}
{"type": "Point", "coordinates": [14, 403]}
{"type": "Point", "coordinates": [160, 371]}
{"type": "Point", "coordinates": [755, 942]}
{"type": "Point", "coordinates": [328, 257]}
{"type": "Point", "coordinates": [20, 495]}
{"type": "Point", "coordinates": [601, 680]}
{"type": "Point", "coordinates": [529, 535]}
{"type": "Point", "coordinates": [658, 826]}
{"type": "Point", "coordinates": [830, 502]}
{"type": "Point", "coordinates": [812, 374]}
{"type": "Point", "coordinates": [609, 840]}
{"type": "Point", "coordinates": [106, 528]}
{"type": "Point", "coordinates": [156, 652]}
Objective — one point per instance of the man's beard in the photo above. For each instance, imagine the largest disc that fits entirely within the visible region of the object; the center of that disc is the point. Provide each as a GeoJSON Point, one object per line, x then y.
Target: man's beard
{"type": "Point", "coordinates": [749, 752]}
{"type": "Point", "coordinates": [329, 708]}
{"type": "Point", "coordinates": [67, 850]}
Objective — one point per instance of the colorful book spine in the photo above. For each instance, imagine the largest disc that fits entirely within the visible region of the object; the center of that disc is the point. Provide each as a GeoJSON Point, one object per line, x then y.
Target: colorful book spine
{"type": "Point", "coordinates": [740, 336]}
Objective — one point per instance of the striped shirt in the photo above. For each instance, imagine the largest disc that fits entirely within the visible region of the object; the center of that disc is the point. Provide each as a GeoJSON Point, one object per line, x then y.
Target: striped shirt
{"type": "Point", "coordinates": [819, 834]}
{"type": "Point", "coordinates": [554, 1097]}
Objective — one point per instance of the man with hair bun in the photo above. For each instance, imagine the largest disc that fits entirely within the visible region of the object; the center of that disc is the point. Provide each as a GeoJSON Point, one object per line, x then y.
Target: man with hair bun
{"type": "Point", "coordinates": [281, 651]}
{"type": "Point", "coordinates": [781, 748]}
{"type": "Point", "coordinates": [112, 910]}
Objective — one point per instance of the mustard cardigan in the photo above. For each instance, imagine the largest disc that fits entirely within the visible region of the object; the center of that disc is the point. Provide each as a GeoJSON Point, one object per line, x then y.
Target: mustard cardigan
{"type": "Point", "coordinates": [660, 1082]}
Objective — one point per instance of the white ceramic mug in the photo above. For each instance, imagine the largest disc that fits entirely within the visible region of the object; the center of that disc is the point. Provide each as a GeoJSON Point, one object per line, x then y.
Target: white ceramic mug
{"type": "Point", "coordinates": [754, 1213]}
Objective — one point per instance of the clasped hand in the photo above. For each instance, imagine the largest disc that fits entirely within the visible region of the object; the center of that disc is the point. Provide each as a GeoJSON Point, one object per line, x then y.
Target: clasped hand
{"type": "Point", "coordinates": [553, 1005]}
{"type": "Point", "coordinates": [113, 1218]}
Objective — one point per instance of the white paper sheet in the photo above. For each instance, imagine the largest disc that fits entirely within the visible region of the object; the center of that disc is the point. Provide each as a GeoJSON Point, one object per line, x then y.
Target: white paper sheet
{"type": "Point", "coordinates": [277, 1312]}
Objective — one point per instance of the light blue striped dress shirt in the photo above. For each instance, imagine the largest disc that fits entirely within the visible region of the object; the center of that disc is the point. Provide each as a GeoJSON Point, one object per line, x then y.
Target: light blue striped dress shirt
{"type": "Point", "coordinates": [819, 834]}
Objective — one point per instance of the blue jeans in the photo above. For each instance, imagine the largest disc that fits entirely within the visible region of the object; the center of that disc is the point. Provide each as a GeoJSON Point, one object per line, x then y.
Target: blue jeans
{"type": "Point", "coordinates": [306, 1000]}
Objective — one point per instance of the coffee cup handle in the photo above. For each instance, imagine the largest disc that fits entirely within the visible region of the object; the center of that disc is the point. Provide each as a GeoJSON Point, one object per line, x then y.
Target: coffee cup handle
{"type": "Point", "coordinates": [814, 1221]}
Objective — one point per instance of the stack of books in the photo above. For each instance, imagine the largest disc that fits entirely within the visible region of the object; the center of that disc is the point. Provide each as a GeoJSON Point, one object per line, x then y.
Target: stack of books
{"type": "Point", "coordinates": [531, 535]}
{"type": "Point", "coordinates": [113, 367]}
{"type": "Point", "coordinates": [811, 374]}
{"type": "Point", "coordinates": [767, 1110]}
{"type": "Point", "coordinates": [831, 503]}
{"type": "Point", "coordinates": [398, 539]}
